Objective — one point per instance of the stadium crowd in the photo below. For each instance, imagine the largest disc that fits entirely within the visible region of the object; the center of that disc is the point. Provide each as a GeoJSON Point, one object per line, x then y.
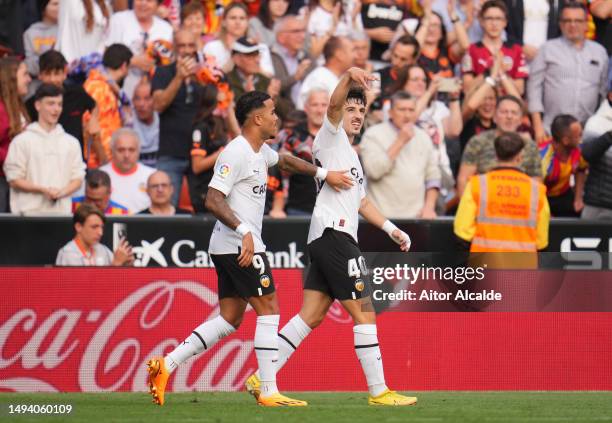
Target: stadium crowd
{"type": "Point", "coordinates": [126, 104]}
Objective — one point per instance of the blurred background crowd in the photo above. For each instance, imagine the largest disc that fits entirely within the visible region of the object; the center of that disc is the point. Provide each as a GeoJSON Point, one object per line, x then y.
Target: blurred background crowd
{"type": "Point", "coordinates": [126, 104]}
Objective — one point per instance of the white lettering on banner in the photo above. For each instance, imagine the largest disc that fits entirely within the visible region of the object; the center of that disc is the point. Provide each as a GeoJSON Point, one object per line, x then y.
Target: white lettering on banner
{"type": "Point", "coordinates": [392, 14]}
{"type": "Point", "coordinates": [584, 258]}
{"type": "Point", "coordinates": [30, 354]}
{"type": "Point", "coordinates": [147, 251]}
{"type": "Point", "coordinates": [91, 357]}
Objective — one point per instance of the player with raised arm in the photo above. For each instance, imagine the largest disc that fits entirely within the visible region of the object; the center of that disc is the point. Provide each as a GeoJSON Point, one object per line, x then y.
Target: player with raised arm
{"type": "Point", "coordinates": [236, 196]}
{"type": "Point", "coordinates": [336, 264]}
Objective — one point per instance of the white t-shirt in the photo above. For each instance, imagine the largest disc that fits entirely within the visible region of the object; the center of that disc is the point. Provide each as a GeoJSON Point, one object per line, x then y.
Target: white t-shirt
{"type": "Point", "coordinates": [130, 189]}
{"type": "Point", "coordinates": [338, 210]}
{"type": "Point", "coordinates": [320, 78]}
{"type": "Point", "coordinates": [125, 29]}
{"type": "Point", "coordinates": [73, 39]}
{"type": "Point", "coordinates": [72, 254]}
{"type": "Point", "coordinates": [242, 175]}
{"type": "Point", "coordinates": [535, 28]}
{"type": "Point", "coordinates": [217, 49]}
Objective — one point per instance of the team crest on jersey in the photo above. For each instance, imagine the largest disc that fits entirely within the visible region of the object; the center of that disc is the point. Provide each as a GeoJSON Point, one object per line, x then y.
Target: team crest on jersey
{"type": "Point", "coordinates": [359, 285]}
{"type": "Point", "coordinates": [223, 170]}
{"type": "Point", "coordinates": [264, 280]}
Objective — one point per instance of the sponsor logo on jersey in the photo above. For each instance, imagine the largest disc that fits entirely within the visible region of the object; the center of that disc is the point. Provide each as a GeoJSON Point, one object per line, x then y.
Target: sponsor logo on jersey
{"type": "Point", "coordinates": [223, 170]}
{"type": "Point", "coordinates": [359, 285]}
{"type": "Point", "coordinates": [264, 280]}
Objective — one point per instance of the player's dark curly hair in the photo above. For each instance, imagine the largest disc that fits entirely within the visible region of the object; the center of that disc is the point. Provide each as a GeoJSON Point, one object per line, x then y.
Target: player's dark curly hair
{"type": "Point", "coordinates": [247, 103]}
{"type": "Point", "coordinates": [357, 94]}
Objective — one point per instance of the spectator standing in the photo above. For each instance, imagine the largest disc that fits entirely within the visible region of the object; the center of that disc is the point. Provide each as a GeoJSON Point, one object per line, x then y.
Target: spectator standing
{"type": "Point", "coordinates": [246, 75]}
{"type": "Point", "coordinates": [82, 27]}
{"type": "Point", "coordinates": [103, 85]}
{"type": "Point", "coordinates": [569, 74]}
{"type": "Point", "coordinates": [138, 29]}
{"type": "Point", "coordinates": [504, 210]}
{"type": "Point", "coordinates": [289, 59]}
{"type": "Point", "coordinates": [533, 22]}
{"type": "Point", "coordinates": [234, 25]}
{"type": "Point", "coordinates": [330, 18]}
{"type": "Point", "coordinates": [601, 10]}
{"type": "Point", "coordinates": [339, 57]}
{"type": "Point", "coordinates": [401, 163]}
{"type": "Point", "coordinates": [361, 47]}
{"type": "Point", "coordinates": [41, 36]}
{"type": "Point", "coordinates": [98, 191]}
{"type": "Point", "coordinates": [192, 19]}
{"type": "Point", "coordinates": [85, 249]}
{"type": "Point", "coordinates": [261, 27]}
{"type": "Point", "coordinates": [302, 190]}
{"type": "Point", "coordinates": [380, 19]}
{"type": "Point", "coordinates": [479, 154]}
{"type": "Point", "coordinates": [128, 176]}
{"type": "Point", "coordinates": [562, 160]}
{"type": "Point", "coordinates": [44, 165]}
{"type": "Point", "coordinates": [478, 110]}
{"type": "Point", "coordinates": [146, 123]}
{"type": "Point", "coordinates": [14, 80]}
{"type": "Point", "coordinates": [210, 134]}
{"type": "Point", "coordinates": [176, 97]}
{"type": "Point", "coordinates": [404, 52]}
{"type": "Point", "coordinates": [481, 56]}
{"type": "Point", "coordinates": [466, 12]}
{"type": "Point", "coordinates": [159, 190]}
{"type": "Point", "coordinates": [76, 103]}
{"type": "Point", "coordinates": [597, 151]}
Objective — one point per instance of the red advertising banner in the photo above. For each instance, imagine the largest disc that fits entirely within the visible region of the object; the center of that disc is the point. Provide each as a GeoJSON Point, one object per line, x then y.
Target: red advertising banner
{"type": "Point", "coordinates": [92, 330]}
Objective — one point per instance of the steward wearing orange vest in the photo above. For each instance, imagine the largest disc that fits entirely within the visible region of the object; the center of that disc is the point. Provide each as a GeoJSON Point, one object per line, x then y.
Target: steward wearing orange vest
{"type": "Point", "coordinates": [504, 210]}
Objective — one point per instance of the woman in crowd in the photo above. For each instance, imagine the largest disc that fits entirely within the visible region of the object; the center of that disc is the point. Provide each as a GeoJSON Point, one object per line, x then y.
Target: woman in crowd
{"type": "Point", "coordinates": [83, 26]}
{"type": "Point", "coordinates": [261, 27]}
{"type": "Point", "coordinates": [41, 36]}
{"type": "Point", "coordinates": [438, 53]}
{"type": "Point", "coordinates": [210, 134]}
{"type": "Point", "coordinates": [478, 110]}
{"type": "Point", "coordinates": [235, 25]}
{"type": "Point", "coordinates": [14, 80]}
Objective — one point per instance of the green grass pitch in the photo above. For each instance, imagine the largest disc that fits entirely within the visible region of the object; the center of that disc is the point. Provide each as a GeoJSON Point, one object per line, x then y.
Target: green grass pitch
{"type": "Point", "coordinates": [323, 407]}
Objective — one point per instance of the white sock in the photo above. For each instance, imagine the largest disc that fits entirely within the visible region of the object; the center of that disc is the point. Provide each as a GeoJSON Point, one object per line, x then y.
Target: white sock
{"type": "Point", "coordinates": [266, 350]}
{"type": "Point", "coordinates": [202, 338]}
{"type": "Point", "coordinates": [368, 353]}
{"type": "Point", "coordinates": [289, 338]}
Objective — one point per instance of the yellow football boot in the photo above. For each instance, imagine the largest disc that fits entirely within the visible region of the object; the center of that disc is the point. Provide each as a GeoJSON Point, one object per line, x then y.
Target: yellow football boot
{"type": "Point", "coordinates": [279, 400]}
{"type": "Point", "coordinates": [391, 398]}
{"type": "Point", "coordinates": [253, 386]}
{"type": "Point", "coordinates": [158, 378]}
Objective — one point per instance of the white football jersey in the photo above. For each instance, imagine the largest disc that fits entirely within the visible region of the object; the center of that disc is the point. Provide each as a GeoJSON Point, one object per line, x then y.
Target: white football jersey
{"type": "Point", "coordinates": [242, 175]}
{"type": "Point", "coordinates": [338, 210]}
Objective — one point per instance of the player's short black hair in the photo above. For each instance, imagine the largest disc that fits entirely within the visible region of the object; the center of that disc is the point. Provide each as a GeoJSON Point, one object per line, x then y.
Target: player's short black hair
{"type": "Point", "coordinates": [508, 145]}
{"type": "Point", "coordinates": [247, 103]}
{"type": "Point", "coordinates": [357, 94]}
{"type": "Point", "coordinates": [560, 126]}
{"type": "Point", "coordinates": [97, 178]}
{"type": "Point", "coordinates": [84, 211]}
{"type": "Point", "coordinates": [116, 55]}
{"type": "Point", "coordinates": [51, 61]}
{"type": "Point", "coordinates": [47, 90]}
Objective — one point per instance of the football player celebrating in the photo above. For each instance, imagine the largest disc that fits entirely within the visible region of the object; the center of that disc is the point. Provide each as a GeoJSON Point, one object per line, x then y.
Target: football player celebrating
{"type": "Point", "coordinates": [236, 196]}
{"type": "Point", "coordinates": [336, 264]}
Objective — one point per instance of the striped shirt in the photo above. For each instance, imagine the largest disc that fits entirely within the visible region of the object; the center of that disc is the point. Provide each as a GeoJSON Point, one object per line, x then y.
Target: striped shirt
{"type": "Point", "coordinates": [566, 80]}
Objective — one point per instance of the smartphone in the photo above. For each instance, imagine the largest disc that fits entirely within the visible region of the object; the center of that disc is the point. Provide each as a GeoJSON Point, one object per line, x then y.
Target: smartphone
{"type": "Point", "coordinates": [375, 85]}
{"type": "Point", "coordinates": [119, 234]}
{"type": "Point", "coordinates": [449, 85]}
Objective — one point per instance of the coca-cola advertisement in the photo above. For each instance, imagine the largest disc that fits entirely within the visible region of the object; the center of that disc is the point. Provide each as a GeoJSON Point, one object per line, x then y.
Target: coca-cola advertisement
{"type": "Point", "coordinates": [88, 330]}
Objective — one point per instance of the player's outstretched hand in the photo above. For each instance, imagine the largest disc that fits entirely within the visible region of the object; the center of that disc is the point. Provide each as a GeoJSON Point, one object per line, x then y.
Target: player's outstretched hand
{"type": "Point", "coordinates": [400, 237]}
{"type": "Point", "coordinates": [339, 180]}
{"type": "Point", "coordinates": [362, 77]}
{"type": "Point", "coordinates": [248, 249]}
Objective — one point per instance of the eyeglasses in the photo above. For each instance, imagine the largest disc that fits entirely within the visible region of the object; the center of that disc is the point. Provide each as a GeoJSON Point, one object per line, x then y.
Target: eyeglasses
{"type": "Point", "coordinates": [573, 21]}
{"type": "Point", "coordinates": [159, 186]}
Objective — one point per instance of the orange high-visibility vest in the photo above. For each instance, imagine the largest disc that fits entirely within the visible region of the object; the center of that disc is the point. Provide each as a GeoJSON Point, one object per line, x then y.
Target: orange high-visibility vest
{"type": "Point", "coordinates": [508, 202]}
